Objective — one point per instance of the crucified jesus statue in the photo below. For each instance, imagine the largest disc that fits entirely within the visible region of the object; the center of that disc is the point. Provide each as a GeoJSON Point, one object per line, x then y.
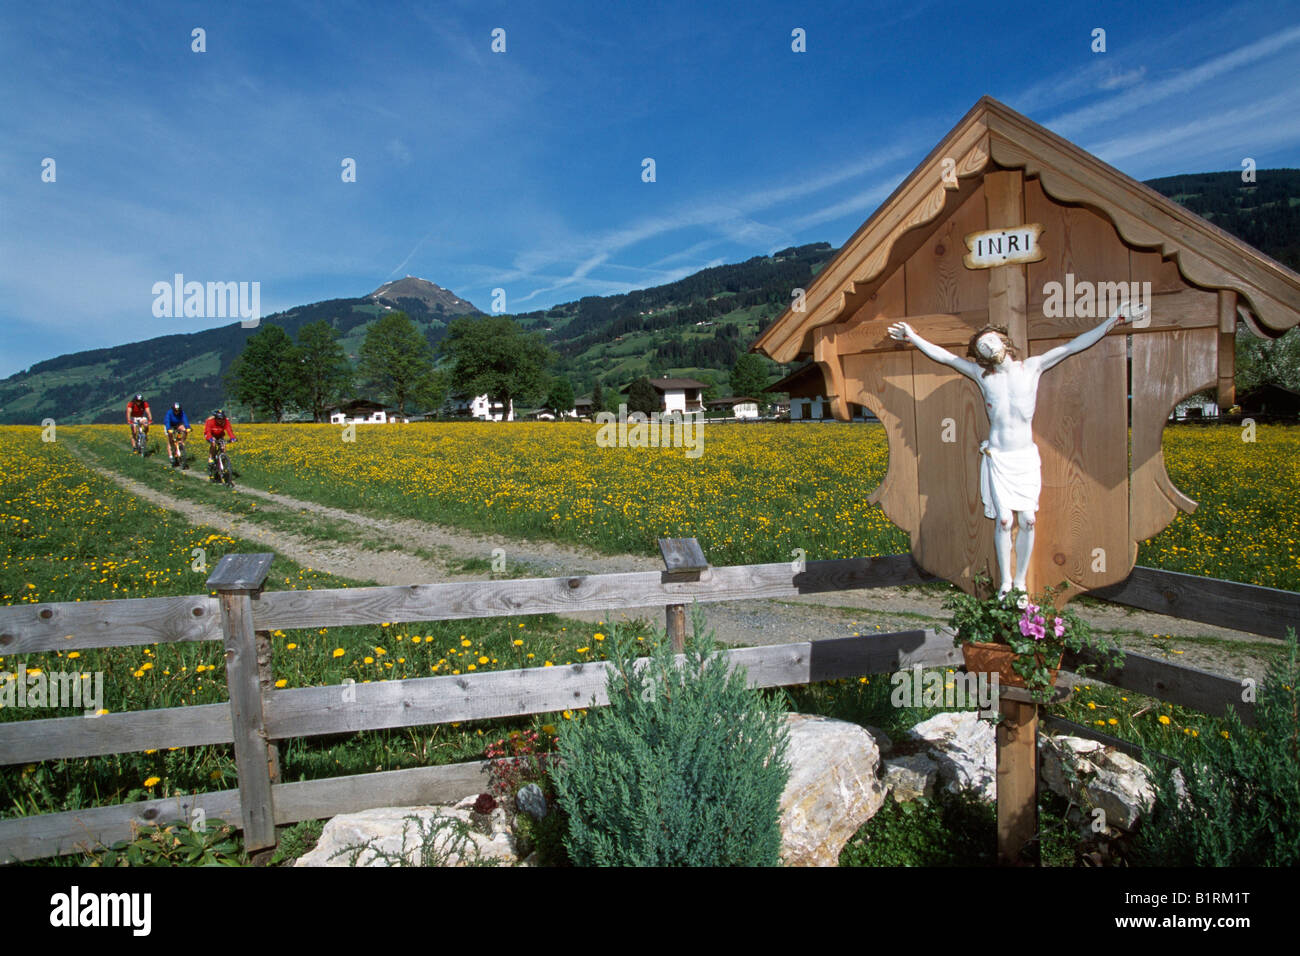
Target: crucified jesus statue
{"type": "Point", "coordinates": [1010, 468]}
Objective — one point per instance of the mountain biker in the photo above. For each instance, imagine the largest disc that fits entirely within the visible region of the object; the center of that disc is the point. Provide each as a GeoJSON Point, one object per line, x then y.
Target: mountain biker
{"type": "Point", "coordinates": [216, 425]}
{"type": "Point", "coordinates": [137, 407]}
{"type": "Point", "coordinates": [177, 424]}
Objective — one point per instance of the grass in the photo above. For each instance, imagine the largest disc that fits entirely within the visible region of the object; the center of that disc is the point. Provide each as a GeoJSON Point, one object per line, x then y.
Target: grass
{"type": "Point", "coordinates": [754, 495]}
{"type": "Point", "coordinates": [73, 535]}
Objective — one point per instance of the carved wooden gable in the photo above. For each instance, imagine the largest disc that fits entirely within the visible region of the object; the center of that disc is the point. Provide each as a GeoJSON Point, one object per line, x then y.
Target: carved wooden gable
{"type": "Point", "coordinates": [1100, 497]}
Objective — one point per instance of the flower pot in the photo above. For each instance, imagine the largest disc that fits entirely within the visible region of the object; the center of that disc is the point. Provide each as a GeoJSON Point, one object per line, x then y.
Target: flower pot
{"type": "Point", "coordinates": [990, 658]}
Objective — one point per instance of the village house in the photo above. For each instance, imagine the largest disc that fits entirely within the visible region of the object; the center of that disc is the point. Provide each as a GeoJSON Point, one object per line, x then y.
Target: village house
{"type": "Point", "coordinates": [479, 407]}
{"type": "Point", "coordinates": [361, 411]}
{"type": "Point", "coordinates": [743, 407]}
{"type": "Point", "coordinates": [678, 394]}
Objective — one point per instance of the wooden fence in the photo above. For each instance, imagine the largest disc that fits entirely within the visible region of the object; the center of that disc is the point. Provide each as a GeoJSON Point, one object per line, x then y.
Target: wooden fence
{"type": "Point", "coordinates": [242, 617]}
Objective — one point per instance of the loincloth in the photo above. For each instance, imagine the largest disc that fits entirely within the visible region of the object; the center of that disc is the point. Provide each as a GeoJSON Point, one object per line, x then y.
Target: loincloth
{"type": "Point", "coordinates": [1010, 480]}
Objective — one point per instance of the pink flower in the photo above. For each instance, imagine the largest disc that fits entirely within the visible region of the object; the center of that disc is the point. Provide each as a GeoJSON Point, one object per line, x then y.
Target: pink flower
{"type": "Point", "coordinates": [1059, 627]}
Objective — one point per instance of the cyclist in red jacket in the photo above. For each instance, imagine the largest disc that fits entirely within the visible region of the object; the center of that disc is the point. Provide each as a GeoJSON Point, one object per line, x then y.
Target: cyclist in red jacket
{"type": "Point", "coordinates": [137, 408]}
{"type": "Point", "coordinates": [216, 425]}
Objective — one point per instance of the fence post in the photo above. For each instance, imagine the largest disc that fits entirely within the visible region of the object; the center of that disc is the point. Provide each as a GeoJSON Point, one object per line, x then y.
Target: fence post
{"type": "Point", "coordinates": [683, 561]}
{"type": "Point", "coordinates": [238, 579]}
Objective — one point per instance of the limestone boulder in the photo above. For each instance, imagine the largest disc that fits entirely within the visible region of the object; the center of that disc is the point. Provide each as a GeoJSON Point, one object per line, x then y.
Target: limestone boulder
{"type": "Point", "coordinates": [965, 750]}
{"type": "Point", "coordinates": [1094, 775]}
{"type": "Point", "coordinates": [834, 788]}
{"type": "Point", "coordinates": [910, 778]}
{"type": "Point", "coordinates": [415, 836]}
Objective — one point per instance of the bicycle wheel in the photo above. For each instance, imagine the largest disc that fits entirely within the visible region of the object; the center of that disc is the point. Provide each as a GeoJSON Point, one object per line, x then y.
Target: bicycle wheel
{"type": "Point", "coordinates": [226, 476]}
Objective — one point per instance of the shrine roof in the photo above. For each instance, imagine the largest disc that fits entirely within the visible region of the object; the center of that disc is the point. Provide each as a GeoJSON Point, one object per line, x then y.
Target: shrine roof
{"type": "Point", "coordinates": [993, 136]}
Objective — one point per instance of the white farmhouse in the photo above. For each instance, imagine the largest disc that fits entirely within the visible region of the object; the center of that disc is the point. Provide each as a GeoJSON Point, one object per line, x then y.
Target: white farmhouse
{"type": "Point", "coordinates": [678, 394]}
{"type": "Point", "coordinates": [361, 411]}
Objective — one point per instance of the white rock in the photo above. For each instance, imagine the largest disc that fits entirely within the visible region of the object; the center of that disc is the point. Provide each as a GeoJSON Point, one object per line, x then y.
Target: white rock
{"type": "Point", "coordinates": [910, 778]}
{"type": "Point", "coordinates": [965, 749]}
{"type": "Point", "coordinates": [1093, 775]}
{"type": "Point", "coordinates": [392, 830]}
{"type": "Point", "coordinates": [834, 788]}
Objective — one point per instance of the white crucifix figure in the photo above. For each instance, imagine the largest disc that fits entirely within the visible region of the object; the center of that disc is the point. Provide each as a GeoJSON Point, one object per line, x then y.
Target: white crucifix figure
{"type": "Point", "coordinates": [1011, 476]}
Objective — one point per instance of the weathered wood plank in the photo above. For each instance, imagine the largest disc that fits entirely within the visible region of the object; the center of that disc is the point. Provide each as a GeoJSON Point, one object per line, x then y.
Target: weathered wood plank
{"type": "Point", "coordinates": [58, 738]}
{"type": "Point", "coordinates": [1004, 197]}
{"type": "Point", "coordinates": [1017, 779]}
{"type": "Point", "coordinates": [1081, 429]}
{"type": "Point", "coordinates": [1241, 607]}
{"type": "Point", "coordinates": [1060, 726]}
{"type": "Point", "coordinates": [76, 831]}
{"type": "Point", "coordinates": [450, 601]}
{"type": "Point", "coordinates": [57, 834]}
{"type": "Point", "coordinates": [309, 711]}
{"type": "Point", "coordinates": [81, 625]}
{"type": "Point", "coordinates": [253, 761]}
{"type": "Point", "coordinates": [1176, 683]}
{"type": "Point", "coordinates": [1166, 367]}
{"type": "Point", "coordinates": [415, 787]}
{"type": "Point", "coordinates": [682, 554]}
{"type": "Point", "coordinates": [841, 657]}
{"type": "Point", "coordinates": [240, 572]}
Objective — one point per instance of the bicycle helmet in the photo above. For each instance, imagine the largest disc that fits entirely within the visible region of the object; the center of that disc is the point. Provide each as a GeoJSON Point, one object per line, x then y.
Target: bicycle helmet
{"type": "Point", "coordinates": [139, 397]}
{"type": "Point", "coordinates": [219, 414]}
{"type": "Point", "coordinates": [176, 407]}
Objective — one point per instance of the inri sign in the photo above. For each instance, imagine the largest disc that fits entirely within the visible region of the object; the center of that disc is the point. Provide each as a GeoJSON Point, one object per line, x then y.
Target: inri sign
{"type": "Point", "coordinates": [997, 247]}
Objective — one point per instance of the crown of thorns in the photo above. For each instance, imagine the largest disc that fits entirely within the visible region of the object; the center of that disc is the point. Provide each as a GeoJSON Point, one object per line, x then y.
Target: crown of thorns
{"type": "Point", "coordinates": [999, 330]}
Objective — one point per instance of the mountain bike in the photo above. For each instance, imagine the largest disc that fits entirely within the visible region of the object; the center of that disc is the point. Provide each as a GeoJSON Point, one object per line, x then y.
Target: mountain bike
{"type": "Point", "coordinates": [176, 441]}
{"type": "Point", "coordinates": [221, 470]}
{"type": "Point", "coordinates": [141, 436]}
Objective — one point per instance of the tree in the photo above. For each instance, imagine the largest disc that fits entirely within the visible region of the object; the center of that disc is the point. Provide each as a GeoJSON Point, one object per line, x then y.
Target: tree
{"type": "Point", "coordinates": [325, 374]}
{"type": "Point", "coordinates": [642, 397]}
{"type": "Point", "coordinates": [266, 373]}
{"type": "Point", "coordinates": [491, 355]}
{"type": "Point", "coordinates": [560, 397]}
{"type": "Point", "coordinates": [1267, 361]}
{"type": "Point", "coordinates": [432, 391]}
{"type": "Point", "coordinates": [749, 375]}
{"type": "Point", "coordinates": [395, 359]}
{"type": "Point", "coordinates": [597, 399]}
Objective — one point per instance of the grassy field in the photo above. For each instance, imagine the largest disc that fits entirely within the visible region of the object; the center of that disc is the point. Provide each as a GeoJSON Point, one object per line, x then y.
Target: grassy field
{"type": "Point", "coordinates": [756, 493]}
{"type": "Point", "coordinates": [70, 534]}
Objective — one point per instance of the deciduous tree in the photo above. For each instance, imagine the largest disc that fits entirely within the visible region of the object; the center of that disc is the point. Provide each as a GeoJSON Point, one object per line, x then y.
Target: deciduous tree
{"type": "Point", "coordinates": [267, 372]}
{"type": "Point", "coordinates": [395, 359]}
{"type": "Point", "coordinates": [491, 355]}
{"type": "Point", "coordinates": [325, 373]}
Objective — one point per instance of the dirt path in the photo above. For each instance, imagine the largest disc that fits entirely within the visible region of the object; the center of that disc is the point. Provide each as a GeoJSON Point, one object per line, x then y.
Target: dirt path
{"type": "Point", "coordinates": [390, 551]}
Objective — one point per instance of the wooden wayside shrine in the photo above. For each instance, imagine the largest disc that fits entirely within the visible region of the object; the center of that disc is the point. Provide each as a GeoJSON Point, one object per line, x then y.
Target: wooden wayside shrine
{"type": "Point", "coordinates": [1007, 224]}
{"type": "Point", "coordinates": [1101, 233]}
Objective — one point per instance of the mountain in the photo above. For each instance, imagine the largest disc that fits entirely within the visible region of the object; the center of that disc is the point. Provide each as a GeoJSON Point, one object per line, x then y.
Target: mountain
{"type": "Point", "coordinates": [93, 386]}
{"type": "Point", "coordinates": [412, 295]}
{"type": "Point", "coordinates": [696, 326]}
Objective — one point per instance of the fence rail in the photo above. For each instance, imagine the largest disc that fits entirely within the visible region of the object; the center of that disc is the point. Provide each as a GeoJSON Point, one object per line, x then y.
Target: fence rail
{"type": "Point", "coordinates": [258, 714]}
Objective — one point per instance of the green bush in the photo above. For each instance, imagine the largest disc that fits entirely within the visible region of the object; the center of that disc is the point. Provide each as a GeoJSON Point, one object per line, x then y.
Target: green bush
{"type": "Point", "coordinates": [685, 767]}
{"type": "Point", "coordinates": [1242, 802]}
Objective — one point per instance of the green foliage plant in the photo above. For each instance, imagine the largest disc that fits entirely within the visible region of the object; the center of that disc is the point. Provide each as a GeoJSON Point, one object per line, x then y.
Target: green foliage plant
{"type": "Point", "coordinates": [685, 767]}
{"type": "Point", "coordinates": [1036, 632]}
{"type": "Point", "coordinates": [1237, 802]}
{"type": "Point", "coordinates": [173, 844]}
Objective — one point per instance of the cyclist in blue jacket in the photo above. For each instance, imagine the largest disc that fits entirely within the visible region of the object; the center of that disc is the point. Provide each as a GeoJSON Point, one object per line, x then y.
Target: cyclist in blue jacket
{"type": "Point", "coordinates": [177, 425]}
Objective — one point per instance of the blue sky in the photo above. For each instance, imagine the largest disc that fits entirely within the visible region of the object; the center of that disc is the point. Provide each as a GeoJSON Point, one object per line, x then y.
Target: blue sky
{"type": "Point", "coordinates": [523, 170]}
